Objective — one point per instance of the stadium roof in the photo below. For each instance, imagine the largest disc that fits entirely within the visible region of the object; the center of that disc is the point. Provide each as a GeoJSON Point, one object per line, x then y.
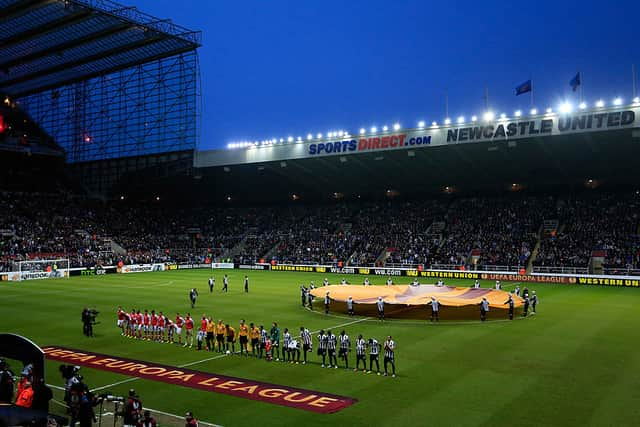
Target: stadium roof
{"type": "Point", "coordinates": [45, 44]}
{"type": "Point", "coordinates": [545, 163]}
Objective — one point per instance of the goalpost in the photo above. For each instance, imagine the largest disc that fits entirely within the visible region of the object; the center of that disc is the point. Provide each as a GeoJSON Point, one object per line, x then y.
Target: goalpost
{"type": "Point", "coordinates": [44, 269]}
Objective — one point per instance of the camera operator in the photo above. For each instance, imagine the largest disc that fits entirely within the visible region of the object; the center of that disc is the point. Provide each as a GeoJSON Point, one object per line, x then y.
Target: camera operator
{"type": "Point", "coordinates": [80, 402]}
{"type": "Point", "coordinates": [6, 383]}
{"type": "Point", "coordinates": [190, 421]}
{"type": "Point", "coordinates": [87, 328]}
{"type": "Point", "coordinates": [147, 421]}
{"type": "Point", "coordinates": [132, 410]}
{"type": "Point", "coordinates": [42, 395]}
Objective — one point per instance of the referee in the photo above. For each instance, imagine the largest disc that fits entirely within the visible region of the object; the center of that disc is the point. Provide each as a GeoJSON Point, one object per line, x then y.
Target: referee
{"type": "Point", "coordinates": [350, 306]}
{"type": "Point", "coordinates": [389, 355]}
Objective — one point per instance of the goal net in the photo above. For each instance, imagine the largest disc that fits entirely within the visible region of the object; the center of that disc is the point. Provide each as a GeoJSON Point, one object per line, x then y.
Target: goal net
{"type": "Point", "coordinates": [44, 269]}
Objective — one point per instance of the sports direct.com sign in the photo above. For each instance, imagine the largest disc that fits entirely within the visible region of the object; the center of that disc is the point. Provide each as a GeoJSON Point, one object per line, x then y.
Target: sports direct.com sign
{"type": "Point", "coordinates": [239, 387]}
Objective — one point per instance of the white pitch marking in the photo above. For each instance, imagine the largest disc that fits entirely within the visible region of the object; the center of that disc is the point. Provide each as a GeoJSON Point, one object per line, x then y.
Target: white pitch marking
{"type": "Point", "coordinates": [181, 417]}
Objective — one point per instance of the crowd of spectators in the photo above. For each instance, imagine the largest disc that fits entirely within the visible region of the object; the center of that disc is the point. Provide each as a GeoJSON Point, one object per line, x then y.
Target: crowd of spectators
{"type": "Point", "coordinates": [607, 224]}
{"type": "Point", "coordinates": [476, 232]}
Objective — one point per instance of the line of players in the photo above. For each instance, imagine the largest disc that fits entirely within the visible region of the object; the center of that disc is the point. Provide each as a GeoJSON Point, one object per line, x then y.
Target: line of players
{"type": "Point", "coordinates": [261, 343]}
{"type": "Point", "coordinates": [154, 326]}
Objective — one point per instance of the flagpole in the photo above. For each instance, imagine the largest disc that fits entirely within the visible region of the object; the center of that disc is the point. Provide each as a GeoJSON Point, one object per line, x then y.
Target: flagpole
{"type": "Point", "coordinates": [446, 103]}
{"type": "Point", "coordinates": [531, 92]}
{"type": "Point", "coordinates": [581, 86]}
{"type": "Point", "coordinates": [633, 81]}
{"type": "Point", "coordinates": [486, 98]}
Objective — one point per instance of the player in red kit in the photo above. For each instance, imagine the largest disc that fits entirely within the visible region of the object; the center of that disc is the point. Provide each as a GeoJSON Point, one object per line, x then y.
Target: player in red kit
{"type": "Point", "coordinates": [146, 324]}
{"type": "Point", "coordinates": [138, 325]}
{"type": "Point", "coordinates": [188, 325]}
{"type": "Point", "coordinates": [154, 326]}
{"type": "Point", "coordinates": [170, 326]}
{"type": "Point", "coordinates": [122, 316]}
{"type": "Point", "coordinates": [179, 323]}
{"type": "Point", "coordinates": [160, 327]}
{"type": "Point", "coordinates": [132, 324]}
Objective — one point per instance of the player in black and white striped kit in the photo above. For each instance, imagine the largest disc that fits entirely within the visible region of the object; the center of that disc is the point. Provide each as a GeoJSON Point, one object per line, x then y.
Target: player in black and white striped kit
{"type": "Point", "coordinates": [327, 301]}
{"type": "Point", "coordinates": [380, 304]}
{"type": "Point", "coordinates": [303, 294]}
{"type": "Point", "coordinates": [511, 305]}
{"type": "Point", "coordinates": [305, 336]}
{"type": "Point", "coordinates": [286, 340]}
{"type": "Point", "coordinates": [323, 341]}
{"type": "Point", "coordinates": [534, 302]}
{"type": "Point", "coordinates": [345, 348]}
{"type": "Point", "coordinates": [374, 351]}
{"type": "Point", "coordinates": [484, 308]}
{"type": "Point", "coordinates": [389, 355]}
{"type": "Point", "coordinates": [361, 353]}
{"type": "Point", "coordinates": [332, 348]}
{"type": "Point", "coordinates": [309, 296]}
{"type": "Point", "coordinates": [263, 341]}
{"type": "Point", "coordinates": [350, 306]}
{"type": "Point", "coordinates": [435, 308]}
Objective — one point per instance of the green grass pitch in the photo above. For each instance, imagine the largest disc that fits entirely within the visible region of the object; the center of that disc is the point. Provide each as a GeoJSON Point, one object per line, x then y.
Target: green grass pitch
{"type": "Point", "coordinates": [575, 363]}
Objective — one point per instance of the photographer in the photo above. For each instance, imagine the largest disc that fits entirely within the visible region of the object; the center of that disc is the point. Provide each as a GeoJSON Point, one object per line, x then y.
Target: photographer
{"type": "Point", "coordinates": [6, 383]}
{"type": "Point", "coordinates": [132, 410]}
{"type": "Point", "coordinates": [80, 401]}
{"type": "Point", "coordinates": [42, 395]}
{"type": "Point", "coordinates": [190, 421]}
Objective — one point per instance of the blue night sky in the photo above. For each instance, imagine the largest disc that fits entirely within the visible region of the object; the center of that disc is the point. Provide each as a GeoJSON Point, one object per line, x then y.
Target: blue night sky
{"type": "Point", "coordinates": [279, 68]}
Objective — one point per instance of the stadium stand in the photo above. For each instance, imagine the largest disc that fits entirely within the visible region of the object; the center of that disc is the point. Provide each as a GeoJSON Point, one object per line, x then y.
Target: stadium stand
{"type": "Point", "coordinates": [483, 233]}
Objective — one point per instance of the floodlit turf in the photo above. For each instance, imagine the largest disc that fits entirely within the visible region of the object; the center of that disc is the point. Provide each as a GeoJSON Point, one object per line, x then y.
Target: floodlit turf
{"type": "Point", "coordinates": [575, 363]}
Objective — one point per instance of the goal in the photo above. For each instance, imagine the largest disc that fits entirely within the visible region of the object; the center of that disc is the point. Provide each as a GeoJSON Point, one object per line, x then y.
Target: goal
{"type": "Point", "coordinates": [44, 269]}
